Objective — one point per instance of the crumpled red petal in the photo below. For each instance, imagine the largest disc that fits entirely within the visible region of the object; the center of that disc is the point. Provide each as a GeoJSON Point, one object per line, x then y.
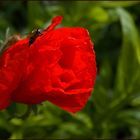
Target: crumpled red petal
{"type": "Point", "coordinates": [12, 64]}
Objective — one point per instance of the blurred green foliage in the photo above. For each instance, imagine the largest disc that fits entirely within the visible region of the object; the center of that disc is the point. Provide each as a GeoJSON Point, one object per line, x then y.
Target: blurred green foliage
{"type": "Point", "coordinates": [113, 110]}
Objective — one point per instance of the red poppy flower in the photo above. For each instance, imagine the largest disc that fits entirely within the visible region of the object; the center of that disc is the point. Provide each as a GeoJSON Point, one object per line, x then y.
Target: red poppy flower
{"type": "Point", "coordinates": [61, 69]}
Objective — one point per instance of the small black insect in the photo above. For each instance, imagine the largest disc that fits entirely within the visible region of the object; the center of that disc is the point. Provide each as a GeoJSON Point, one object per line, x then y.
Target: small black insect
{"type": "Point", "coordinates": [33, 35]}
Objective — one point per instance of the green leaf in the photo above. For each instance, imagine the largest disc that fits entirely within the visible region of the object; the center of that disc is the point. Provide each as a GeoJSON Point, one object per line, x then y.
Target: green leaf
{"type": "Point", "coordinates": [135, 114]}
{"type": "Point", "coordinates": [129, 60]}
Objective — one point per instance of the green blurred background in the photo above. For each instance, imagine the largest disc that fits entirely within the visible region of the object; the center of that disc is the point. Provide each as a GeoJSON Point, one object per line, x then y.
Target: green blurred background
{"type": "Point", "coordinates": [113, 110]}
